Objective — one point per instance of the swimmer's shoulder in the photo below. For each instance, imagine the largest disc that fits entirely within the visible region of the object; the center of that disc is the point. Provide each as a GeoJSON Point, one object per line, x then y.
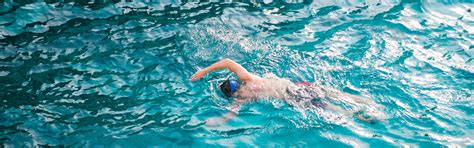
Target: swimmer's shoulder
{"type": "Point", "coordinates": [253, 78]}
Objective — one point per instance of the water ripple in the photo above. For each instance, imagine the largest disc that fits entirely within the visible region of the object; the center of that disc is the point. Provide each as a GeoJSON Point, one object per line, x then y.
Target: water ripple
{"type": "Point", "coordinates": [73, 73]}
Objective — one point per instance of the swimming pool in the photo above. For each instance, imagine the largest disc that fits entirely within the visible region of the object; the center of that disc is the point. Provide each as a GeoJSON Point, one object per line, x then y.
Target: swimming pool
{"type": "Point", "coordinates": [117, 73]}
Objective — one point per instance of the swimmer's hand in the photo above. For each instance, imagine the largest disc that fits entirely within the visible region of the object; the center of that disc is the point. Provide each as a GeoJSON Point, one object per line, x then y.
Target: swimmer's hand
{"type": "Point", "coordinates": [215, 121]}
{"type": "Point", "coordinates": [198, 75]}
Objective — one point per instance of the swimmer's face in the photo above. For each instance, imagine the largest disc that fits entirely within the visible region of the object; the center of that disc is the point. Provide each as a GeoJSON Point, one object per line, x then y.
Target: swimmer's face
{"type": "Point", "coordinates": [229, 87]}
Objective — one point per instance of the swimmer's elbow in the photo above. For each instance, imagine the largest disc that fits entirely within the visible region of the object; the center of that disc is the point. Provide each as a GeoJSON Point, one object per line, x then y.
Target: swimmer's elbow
{"type": "Point", "coordinates": [229, 63]}
{"type": "Point", "coordinates": [228, 60]}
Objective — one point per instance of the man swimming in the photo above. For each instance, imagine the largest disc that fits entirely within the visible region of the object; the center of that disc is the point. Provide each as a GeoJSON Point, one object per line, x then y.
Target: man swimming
{"type": "Point", "coordinates": [255, 87]}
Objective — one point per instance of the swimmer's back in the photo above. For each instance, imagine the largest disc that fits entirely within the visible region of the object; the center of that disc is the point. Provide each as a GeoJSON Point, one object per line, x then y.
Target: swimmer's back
{"type": "Point", "coordinates": [269, 86]}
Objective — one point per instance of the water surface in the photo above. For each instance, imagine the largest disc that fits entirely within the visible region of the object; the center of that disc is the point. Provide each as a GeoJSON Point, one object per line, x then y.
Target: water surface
{"type": "Point", "coordinates": [117, 73]}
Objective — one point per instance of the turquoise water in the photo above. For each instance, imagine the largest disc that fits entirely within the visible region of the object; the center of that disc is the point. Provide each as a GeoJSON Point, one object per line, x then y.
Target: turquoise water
{"type": "Point", "coordinates": [117, 74]}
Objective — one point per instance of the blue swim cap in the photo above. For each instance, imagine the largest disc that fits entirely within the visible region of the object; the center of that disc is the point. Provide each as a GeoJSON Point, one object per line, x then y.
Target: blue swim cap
{"type": "Point", "coordinates": [233, 85]}
{"type": "Point", "coordinates": [229, 87]}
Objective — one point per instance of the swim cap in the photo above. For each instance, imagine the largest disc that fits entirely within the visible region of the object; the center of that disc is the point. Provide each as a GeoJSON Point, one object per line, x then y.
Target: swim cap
{"type": "Point", "coordinates": [233, 86]}
{"type": "Point", "coordinates": [229, 87]}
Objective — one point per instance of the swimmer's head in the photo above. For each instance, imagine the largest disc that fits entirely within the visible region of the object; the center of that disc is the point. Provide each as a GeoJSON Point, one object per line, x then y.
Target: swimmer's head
{"type": "Point", "coordinates": [229, 87]}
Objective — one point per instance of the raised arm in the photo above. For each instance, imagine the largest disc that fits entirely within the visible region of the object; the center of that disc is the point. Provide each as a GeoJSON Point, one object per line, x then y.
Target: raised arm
{"type": "Point", "coordinates": [241, 72]}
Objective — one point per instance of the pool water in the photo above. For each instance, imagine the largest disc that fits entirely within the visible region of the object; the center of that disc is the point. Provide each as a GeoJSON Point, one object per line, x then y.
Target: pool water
{"type": "Point", "coordinates": [117, 73]}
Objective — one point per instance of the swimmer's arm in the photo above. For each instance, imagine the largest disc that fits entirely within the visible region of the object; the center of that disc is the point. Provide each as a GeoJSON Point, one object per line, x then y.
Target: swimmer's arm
{"type": "Point", "coordinates": [235, 107]}
{"type": "Point", "coordinates": [226, 117]}
{"type": "Point", "coordinates": [229, 116]}
{"type": "Point", "coordinates": [241, 72]}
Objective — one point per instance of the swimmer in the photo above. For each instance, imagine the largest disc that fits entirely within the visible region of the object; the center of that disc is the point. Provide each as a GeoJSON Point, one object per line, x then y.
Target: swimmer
{"type": "Point", "coordinates": [251, 87]}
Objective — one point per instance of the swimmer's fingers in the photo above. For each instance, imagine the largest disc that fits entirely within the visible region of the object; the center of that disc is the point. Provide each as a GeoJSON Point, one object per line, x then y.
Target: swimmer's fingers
{"type": "Point", "coordinates": [194, 77]}
{"type": "Point", "coordinates": [198, 75]}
